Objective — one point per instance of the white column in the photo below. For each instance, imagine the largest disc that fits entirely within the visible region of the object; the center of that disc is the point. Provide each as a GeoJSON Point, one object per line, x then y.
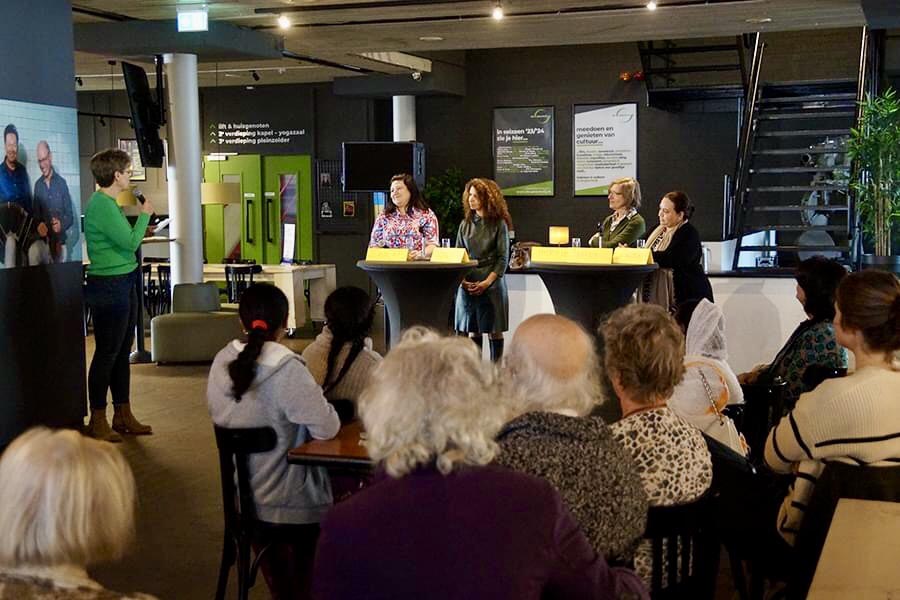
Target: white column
{"type": "Point", "coordinates": [184, 170]}
{"type": "Point", "coordinates": [404, 118]}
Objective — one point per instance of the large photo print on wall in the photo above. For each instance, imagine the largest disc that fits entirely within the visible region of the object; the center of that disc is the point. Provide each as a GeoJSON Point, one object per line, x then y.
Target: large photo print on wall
{"type": "Point", "coordinates": [39, 217]}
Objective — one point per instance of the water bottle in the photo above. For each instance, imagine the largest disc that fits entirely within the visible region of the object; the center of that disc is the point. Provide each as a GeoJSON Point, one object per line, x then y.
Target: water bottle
{"type": "Point", "coordinates": [707, 258]}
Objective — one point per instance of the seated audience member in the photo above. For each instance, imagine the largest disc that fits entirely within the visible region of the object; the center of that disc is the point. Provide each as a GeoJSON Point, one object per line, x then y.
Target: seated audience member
{"type": "Point", "coordinates": [66, 502]}
{"type": "Point", "coordinates": [440, 521]}
{"type": "Point", "coordinates": [262, 383]}
{"type": "Point", "coordinates": [852, 419]}
{"type": "Point", "coordinates": [813, 341]}
{"type": "Point", "coordinates": [709, 384]}
{"type": "Point", "coordinates": [341, 358]}
{"type": "Point", "coordinates": [551, 369]}
{"type": "Point", "coordinates": [645, 361]}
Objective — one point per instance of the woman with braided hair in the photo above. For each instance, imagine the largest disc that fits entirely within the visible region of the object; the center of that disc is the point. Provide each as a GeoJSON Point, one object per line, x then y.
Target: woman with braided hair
{"type": "Point", "coordinates": [260, 383]}
{"type": "Point", "coordinates": [341, 358]}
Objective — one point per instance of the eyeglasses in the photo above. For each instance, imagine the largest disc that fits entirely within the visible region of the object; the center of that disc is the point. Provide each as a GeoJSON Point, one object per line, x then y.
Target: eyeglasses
{"type": "Point", "coordinates": [128, 172]}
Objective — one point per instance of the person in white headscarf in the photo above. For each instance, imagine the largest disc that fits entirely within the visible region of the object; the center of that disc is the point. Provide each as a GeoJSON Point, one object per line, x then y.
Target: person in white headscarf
{"type": "Point", "coordinates": [709, 384]}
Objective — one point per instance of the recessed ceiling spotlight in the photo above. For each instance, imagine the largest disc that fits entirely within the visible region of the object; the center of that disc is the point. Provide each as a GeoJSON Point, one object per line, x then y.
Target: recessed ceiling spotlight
{"type": "Point", "coordinates": [651, 5]}
{"type": "Point", "coordinates": [758, 20]}
{"type": "Point", "coordinates": [284, 22]}
{"type": "Point", "coordinates": [431, 38]}
{"type": "Point", "coordinates": [249, 87]}
{"type": "Point", "coordinates": [497, 13]}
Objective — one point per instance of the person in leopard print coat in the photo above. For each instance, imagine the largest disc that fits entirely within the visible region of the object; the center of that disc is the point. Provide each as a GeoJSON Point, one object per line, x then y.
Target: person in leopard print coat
{"type": "Point", "coordinates": [644, 356]}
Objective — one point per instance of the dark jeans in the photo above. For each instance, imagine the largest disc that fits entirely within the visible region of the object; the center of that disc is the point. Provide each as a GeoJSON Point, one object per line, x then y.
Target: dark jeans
{"type": "Point", "coordinates": [113, 302]}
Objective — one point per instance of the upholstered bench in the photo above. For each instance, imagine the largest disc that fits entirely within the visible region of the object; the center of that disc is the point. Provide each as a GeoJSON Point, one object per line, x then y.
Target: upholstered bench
{"type": "Point", "coordinates": [196, 329]}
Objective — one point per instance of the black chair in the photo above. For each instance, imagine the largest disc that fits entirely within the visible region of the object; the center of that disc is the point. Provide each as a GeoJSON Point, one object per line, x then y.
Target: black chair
{"type": "Point", "coordinates": [838, 480]}
{"type": "Point", "coordinates": [763, 408]}
{"type": "Point", "coordinates": [150, 290]}
{"type": "Point", "coordinates": [164, 289]}
{"type": "Point", "coordinates": [238, 278]}
{"type": "Point", "coordinates": [242, 526]}
{"type": "Point", "coordinates": [685, 550]}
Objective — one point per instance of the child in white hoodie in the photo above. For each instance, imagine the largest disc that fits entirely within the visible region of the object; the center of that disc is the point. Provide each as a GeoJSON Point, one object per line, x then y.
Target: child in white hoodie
{"type": "Point", "coordinates": [263, 383]}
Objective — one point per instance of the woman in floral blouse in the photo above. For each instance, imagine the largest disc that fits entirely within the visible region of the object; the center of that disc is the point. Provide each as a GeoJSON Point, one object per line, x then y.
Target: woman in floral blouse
{"type": "Point", "coordinates": [813, 341]}
{"type": "Point", "coordinates": [406, 222]}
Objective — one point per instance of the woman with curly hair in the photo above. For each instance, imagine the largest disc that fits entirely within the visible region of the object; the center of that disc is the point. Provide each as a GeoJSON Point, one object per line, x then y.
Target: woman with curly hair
{"type": "Point", "coordinates": [482, 304]}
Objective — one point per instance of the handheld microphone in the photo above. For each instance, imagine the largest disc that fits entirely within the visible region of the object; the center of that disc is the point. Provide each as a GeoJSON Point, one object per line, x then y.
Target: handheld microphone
{"type": "Point", "coordinates": [140, 197]}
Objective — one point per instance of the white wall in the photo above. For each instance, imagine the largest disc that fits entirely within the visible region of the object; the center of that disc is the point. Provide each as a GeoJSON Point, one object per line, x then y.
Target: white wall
{"type": "Point", "coordinates": [760, 313]}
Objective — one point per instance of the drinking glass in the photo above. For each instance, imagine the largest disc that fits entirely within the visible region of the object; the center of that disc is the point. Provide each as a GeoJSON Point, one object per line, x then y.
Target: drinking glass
{"type": "Point", "coordinates": [641, 243]}
{"type": "Point", "coordinates": [445, 242]}
{"type": "Point", "coordinates": [576, 242]}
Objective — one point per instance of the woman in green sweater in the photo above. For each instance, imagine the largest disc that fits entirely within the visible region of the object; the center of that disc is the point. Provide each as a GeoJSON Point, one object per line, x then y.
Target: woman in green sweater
{"type": "Point", "coordinates": [111, 294]}
{"type": "Point", "coordinates": [625, 225]}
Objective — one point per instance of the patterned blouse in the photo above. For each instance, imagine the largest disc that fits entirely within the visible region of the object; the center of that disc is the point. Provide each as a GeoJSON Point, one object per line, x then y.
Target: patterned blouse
{"type": "Point", "coordinates": [812, 343]}
{"type": "Point", "coordinates": [672, 460]}
{"type": "Point", "coordinates": [413, 231]}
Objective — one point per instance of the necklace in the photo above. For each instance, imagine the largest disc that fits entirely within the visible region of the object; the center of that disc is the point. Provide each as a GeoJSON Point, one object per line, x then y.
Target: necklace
{"type": "Point", "coordinates": [643, 409]}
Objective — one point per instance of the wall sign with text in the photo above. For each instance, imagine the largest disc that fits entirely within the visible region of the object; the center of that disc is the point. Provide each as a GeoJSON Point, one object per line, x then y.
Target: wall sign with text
{"type": "Point", "coordinates": [604, 146]}
{"type": "Point", "coordinates": [274, 119]}
{"type": "Point", "coordinates": [523, 150]}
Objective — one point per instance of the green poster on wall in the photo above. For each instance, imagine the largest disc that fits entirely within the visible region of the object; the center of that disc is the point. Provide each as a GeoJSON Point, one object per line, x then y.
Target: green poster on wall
{"type": "Point", "coordinates": [523, 150]}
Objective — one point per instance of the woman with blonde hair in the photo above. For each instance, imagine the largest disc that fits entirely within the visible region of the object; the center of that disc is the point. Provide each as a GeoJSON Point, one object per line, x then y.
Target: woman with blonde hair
{"type": "Point", "coordinates": [66, 502]}
{"type": "Point", "coordinates": [645, 361]}
{"type": "Point", "coordinates": [625, 225]}
{"type": "Point", "coordinates": [440, 521]}
{"type": "Point", "coordinates": [482, 302]}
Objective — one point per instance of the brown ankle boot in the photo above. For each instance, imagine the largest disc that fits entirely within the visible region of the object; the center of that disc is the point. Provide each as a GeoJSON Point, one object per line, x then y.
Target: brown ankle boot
{"type": "Point", "coordinates": [125, 422]}
{"type": "Point", "coordinates": [98, 428]}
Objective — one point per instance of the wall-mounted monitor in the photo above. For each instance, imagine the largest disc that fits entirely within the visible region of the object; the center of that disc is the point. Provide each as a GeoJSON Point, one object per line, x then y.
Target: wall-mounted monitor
{"type": "Point", "coordinates": [369, 166]}
{"type": "Point", "coordinates": [145, 115]}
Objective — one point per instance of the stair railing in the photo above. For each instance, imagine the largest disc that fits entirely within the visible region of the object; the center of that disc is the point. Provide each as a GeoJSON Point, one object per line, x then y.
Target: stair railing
{"type": "Point", "coordinates": [866, 84]}
{"type": "Point", "coordinates": [745, 146]}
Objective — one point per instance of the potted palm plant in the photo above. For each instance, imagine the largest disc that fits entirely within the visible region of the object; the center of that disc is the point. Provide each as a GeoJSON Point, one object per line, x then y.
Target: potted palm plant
{"type": "Point", "coordinates": [874, 147]}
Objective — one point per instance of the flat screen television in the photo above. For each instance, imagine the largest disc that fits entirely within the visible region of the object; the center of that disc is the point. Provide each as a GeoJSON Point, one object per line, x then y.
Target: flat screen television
{"type": "Point", "coordinates": [369, 166]}
{"type": "Point", "coordinates": [145, 115]}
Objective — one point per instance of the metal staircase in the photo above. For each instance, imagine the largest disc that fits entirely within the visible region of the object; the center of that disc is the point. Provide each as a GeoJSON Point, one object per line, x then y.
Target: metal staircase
{"type": "Point", "coordinates": [795, 175]}
{"type": "Point", "coordinates": [675, 72]}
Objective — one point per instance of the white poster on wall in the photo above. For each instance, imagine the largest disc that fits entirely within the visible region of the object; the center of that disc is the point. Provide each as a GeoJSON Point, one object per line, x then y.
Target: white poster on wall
{"type": "Point", "coordinates": [604, 146]}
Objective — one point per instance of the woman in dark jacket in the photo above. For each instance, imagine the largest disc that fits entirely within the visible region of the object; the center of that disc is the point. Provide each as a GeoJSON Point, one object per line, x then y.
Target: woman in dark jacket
{"type": "Point", "coordinates": [676, 245]}
{"type": "Point", "coordinates": [482, 303]}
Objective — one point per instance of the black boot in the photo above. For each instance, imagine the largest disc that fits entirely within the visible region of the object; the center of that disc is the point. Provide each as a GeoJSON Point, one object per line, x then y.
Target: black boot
{"type": "Point", "coordinates": [496, 350]}
{"type": "Point", "coordinates": [478, 340]}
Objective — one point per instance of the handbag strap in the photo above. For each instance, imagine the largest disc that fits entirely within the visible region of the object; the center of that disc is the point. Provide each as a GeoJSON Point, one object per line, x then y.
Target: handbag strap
{"type": "Point", "coordinates": [709, 395]}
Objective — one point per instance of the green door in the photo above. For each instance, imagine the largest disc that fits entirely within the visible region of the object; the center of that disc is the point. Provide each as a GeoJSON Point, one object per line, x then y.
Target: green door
{"type": "Point", "coordinates": [287, 202]}
{"type": "Point", "coordinates": [247, 171]}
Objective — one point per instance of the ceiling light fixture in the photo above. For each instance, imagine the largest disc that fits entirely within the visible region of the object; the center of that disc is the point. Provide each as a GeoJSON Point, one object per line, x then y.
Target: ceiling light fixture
{"type": "Point", "coordinates": [497, 13]}
{"type": "Point", "coordinates": [651, 5]}
{"type": "Point", "coordinates": [758, 20]}
{"type": "Point", "coordinates": [79, 81]}
{"type": "Point", "coordinates": [254, 75]}
{"type": "Point", "coordinates": [284, 22]}
{"type": "Point", "coordinates": [431, 38]}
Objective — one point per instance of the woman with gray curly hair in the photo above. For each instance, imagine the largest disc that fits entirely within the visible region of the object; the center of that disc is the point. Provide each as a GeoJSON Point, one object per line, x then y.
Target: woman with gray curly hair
{"type": "Point", "coordinates": [439, 521]}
